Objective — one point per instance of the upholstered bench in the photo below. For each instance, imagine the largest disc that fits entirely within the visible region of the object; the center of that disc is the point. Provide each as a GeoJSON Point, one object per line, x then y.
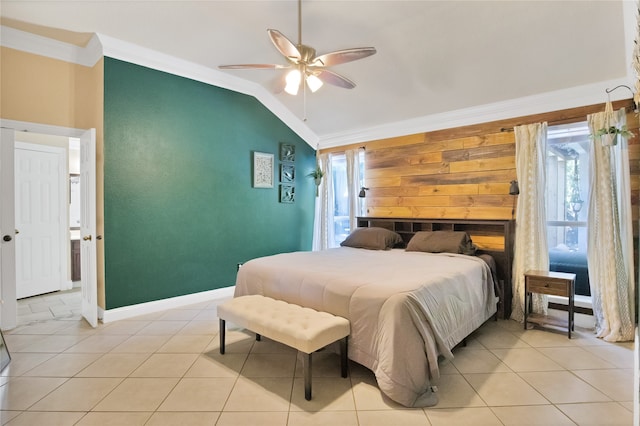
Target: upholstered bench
{"type": "Point", "coordinates": [301, 328]}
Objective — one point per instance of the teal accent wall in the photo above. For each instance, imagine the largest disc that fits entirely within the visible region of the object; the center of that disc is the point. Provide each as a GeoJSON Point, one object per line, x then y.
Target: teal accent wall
{"type": "Point", "coordinates": [180, 209]}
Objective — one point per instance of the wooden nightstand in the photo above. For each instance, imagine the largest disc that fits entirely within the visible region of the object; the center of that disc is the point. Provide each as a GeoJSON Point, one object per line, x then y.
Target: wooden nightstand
{"type": "Point", "coordinates": [545, 282]}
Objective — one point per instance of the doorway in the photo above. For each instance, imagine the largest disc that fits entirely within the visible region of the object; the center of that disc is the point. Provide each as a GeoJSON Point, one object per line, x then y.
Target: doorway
{"type": "Point", "coordinates": [88, 286]}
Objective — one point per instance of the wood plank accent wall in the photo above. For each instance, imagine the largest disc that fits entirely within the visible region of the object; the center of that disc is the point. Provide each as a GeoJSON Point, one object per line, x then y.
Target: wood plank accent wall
{"type": "Point", "coordinates": [463, 173]}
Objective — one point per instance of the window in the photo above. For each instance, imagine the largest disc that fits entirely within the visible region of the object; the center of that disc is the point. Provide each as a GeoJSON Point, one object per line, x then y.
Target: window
{"type": "Point", "coordinates": [341, 226]}
{"type": "Point", "coordinates": [568, 151]}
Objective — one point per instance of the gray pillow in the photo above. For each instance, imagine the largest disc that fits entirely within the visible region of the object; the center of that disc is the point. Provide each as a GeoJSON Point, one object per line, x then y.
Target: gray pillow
{"type": "Point", "coordinates": [372, 239]}
{"type": "Point", "coordinates": [442, 242]}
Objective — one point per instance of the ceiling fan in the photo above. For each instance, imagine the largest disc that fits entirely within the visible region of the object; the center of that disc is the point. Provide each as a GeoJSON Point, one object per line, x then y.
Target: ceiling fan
{"type": "Point", "coordinates": [308, 68]}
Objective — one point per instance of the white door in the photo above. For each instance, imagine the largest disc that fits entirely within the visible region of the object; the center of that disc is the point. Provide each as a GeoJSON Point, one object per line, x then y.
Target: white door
{"type": "Point", "coordinates": [8, 304]}
{"type": "Point", "coordinates": [88, 253]}
{"type": "Point", "coordinates": [40, 216]}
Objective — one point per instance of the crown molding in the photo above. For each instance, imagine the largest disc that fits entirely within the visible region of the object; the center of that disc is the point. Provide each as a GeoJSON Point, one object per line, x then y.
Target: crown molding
{"type": "Point", "coordinates": [551, 101]}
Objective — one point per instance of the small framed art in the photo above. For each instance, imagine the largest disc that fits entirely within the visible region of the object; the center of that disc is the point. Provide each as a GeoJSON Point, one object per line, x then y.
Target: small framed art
{"type": "Point", "coordinates": [287, 193]}
{"type": "Point", "coordinates": [287, 152]}
{"type": "Point", "coordinates": [287, 173]}
{"type": "Point", "coordinates": [262, 170]}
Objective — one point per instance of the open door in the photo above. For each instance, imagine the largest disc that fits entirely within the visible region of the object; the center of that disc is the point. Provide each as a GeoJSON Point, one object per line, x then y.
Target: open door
{"type": "Point", "coordinates": [88, 253]}
{"type": "Point", "coordinates": [8, 302]}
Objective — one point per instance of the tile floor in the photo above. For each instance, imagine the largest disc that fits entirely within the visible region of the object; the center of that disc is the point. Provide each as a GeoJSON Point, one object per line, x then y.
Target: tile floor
{"type": "Point", "coordinates": [165, 369]}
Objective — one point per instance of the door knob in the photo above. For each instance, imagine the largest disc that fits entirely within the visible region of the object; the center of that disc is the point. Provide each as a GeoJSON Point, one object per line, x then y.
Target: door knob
{"type": "Point", "coordinates": [87, 238]}
{"type": "Point", "coordinates": [7, 238]}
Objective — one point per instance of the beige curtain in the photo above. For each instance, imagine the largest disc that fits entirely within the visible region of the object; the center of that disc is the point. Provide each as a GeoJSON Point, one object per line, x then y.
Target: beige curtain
{"type": "Point", "coordinates": [610, 235]}
{"type": "Point", "coordinates": [353, 185]}
{"type": "Point", "coordinates": [323, 234]}
{"type": "Point", "coordinates": [531, 251]}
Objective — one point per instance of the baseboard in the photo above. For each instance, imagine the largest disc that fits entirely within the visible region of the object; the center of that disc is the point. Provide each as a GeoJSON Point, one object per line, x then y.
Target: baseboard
{"type": "Point", "coordinates": [131, 311]}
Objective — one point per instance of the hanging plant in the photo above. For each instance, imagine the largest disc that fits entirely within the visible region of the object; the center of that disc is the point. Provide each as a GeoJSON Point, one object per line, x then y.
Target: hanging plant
{"type": "Point", "coordinates": [317, 175]}
{"type": "Point", "coordinates": [609, 135]}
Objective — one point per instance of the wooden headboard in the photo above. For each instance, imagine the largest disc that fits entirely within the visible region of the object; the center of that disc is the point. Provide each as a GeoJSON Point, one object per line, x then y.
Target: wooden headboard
{"type": "Point", "coordinates": [493, 237]}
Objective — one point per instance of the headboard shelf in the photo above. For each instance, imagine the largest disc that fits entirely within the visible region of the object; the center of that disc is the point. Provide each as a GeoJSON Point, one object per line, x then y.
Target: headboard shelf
{"type": "Point", "coordinates": [494, 237]}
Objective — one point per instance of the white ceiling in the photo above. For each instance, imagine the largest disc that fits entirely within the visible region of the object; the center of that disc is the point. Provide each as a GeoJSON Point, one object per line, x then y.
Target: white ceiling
{"type": "Point", "coordinates": [480, 60]}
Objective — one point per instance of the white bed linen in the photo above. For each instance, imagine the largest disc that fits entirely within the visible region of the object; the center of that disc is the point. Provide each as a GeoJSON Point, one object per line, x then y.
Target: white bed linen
{"type": "Point", "coordinates": [405, 308]}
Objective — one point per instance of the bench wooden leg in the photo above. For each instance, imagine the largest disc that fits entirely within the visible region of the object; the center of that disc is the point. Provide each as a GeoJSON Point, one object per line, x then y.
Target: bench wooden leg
{"type": "Point", "coordinates": [306, 367]}
{"type": "Point", "coordinates": [343, 356]}
{"type": "Point", "coordinates": [222, 332]}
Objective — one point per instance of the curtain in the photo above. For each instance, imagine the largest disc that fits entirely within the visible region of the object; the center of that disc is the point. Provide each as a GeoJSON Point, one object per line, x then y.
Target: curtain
{"type": "Point", "coordinates": [610, 239]}
{"type": "Point", "coordinates": [353, 185]}
{"type": "Point", "coordinates": [323, 230]}
{"type": "Point", "coordinates": [531, 251]}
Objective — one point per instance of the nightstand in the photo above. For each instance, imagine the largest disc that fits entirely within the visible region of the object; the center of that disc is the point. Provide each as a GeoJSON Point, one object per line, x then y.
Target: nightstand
{"type": "Point", "coordinates": [554, 283]}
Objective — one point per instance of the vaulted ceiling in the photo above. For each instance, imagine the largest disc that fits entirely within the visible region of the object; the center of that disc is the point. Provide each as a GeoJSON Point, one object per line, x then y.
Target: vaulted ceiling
{"type": "Point", "coordinates": [438, 63]}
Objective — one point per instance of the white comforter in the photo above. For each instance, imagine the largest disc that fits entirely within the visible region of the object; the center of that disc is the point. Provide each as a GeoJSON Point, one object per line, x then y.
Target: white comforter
{"type": "Point", "coordinates": [405, 308]}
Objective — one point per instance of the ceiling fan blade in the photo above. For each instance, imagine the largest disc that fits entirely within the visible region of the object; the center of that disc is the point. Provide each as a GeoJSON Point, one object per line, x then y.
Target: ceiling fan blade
{"type": "Point", "coordinates": [331, 77]}
{"type": "Point", "coordinates": [343, 56]}
{"type": "Point", "coordinates": [253, 66]}
{"type": "Point", "coordinates": [284, 45]}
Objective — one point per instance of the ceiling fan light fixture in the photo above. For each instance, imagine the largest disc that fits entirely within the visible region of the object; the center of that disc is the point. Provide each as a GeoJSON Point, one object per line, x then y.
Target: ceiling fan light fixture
{"type": "Point", "coordinates": [293, 82]}
{"type": "Point", "coordinates": [314, 83]}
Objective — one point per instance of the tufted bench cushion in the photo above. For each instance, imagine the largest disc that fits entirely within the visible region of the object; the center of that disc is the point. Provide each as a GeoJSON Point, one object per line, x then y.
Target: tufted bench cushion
{"type": "Point", "coordinates": [301, 328]}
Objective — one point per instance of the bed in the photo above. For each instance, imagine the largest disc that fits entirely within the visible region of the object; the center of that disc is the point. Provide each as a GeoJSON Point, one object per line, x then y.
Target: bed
{"type": "Point", "coordinates": [394, 298]}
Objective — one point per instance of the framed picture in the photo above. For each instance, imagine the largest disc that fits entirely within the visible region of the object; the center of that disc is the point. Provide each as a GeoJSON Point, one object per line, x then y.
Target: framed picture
{"type": "Point", "coordinates": [262, 170]}
{"type": "Point", "coordinates": [287, 173]}
{"type": "Point", "coordinates": [287, 193]}
{"type": "Point", "coordinates": [287, 152]}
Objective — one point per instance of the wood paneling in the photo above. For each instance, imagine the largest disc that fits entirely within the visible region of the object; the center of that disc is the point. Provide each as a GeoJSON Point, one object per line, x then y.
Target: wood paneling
{"type": "Point", "coordinates": [463, 173]}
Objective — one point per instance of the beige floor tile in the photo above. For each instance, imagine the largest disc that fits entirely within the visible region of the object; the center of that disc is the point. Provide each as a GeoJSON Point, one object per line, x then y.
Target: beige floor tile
{"type": "Point", "coordinates": [178, 315]}
{"type": "Point", "coordinates": [114, 419]}
{"type": "Point", "coordinates": [546, 338]}
{"type": "Point", "coordinates": [141, 344]}
{"type": "Point", "coordinates": [327, 394]}
{"type": "Point", "coordinates": [269, 365]}
{"type": "Point", "coordinates": [215, 365]}
{"type": "Point", "coordinates": [98, 344]}
{"type": "Point", "coordinates": [114, 365]}
{"type": "Point", "coordinates": [562, 387]}
{"type": "Point", "coordinates": [260, 394]}
{"type": "Point", "coordinates": [469, 361]}
{"type": "Point", "coordinates": [323, 364]}
{"type": "Point", "coordinates": [77, 394]}
{"type": "Point", "coordinates": [253, 418]}
{"type": "Point", "coordinates": [184, 419]}
{"type": "Point", "coordinates": [63, 365]}
{"type": "Point", "coordinates": [6, 416]}
{"type": "Point", "coordinates": [162, 328]}
{"type": "Point", "coordinates": [323, 418]}
{"type": "Point", "coordinates": [165, 365]}
{"type": "Point", "coordinates": [235, 342]}
{"type": "Point", "coordinates": [202, 327]}
{"type": "Point", "coordinates": [576, 358]}
{"type": "Point", "coordinates": [190, 343]}
{"type": "Point", "coordinates": [446, 367]}
{"type": "Point", "coordinates": [23, 362]}
{"type": "Point", "coordinates": [206, 315]}
{"type": "Point", "coordinates": [137, 394]}
{"type": "Point", "coordinates": [598, 414]}
{"type": "Point", "coordinates": [455, 392]}
{"type": "Point", "coordinates": [268, 346]}
{"type": "Point", "coordinates": [504, 389]}
{"type": "Point", "coordinates": [478, 416]}
{"type": "Point", "coordinates": [21, 393]}
{"type": "Point", "coordinates": [368, 396]}
{"type": "Point", "coordinates": [17, 342]}
{"type": "Point", "coordinates": [616, 384]}
{"type": "Point", "coordinates": [618, 355]}
{"type": "Point", "coordinates": [45, 418]}
{"type": "Point", "coordinates": [415, 417]}
{"type": "Point", "coordinates": [526, 359]}
{"type": "Point", "coordinates": [124, 327]}
{"type": "Point", "coordinates": [496, 339]}
{"type": "Point", "coordinates": [45, 328]}
{"type": "Point", "coordinates": [54, 343]}
{"type": "Point", "coordinates": [198, 394]}
{"type": "Point", "coordinates": [533, 415]}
